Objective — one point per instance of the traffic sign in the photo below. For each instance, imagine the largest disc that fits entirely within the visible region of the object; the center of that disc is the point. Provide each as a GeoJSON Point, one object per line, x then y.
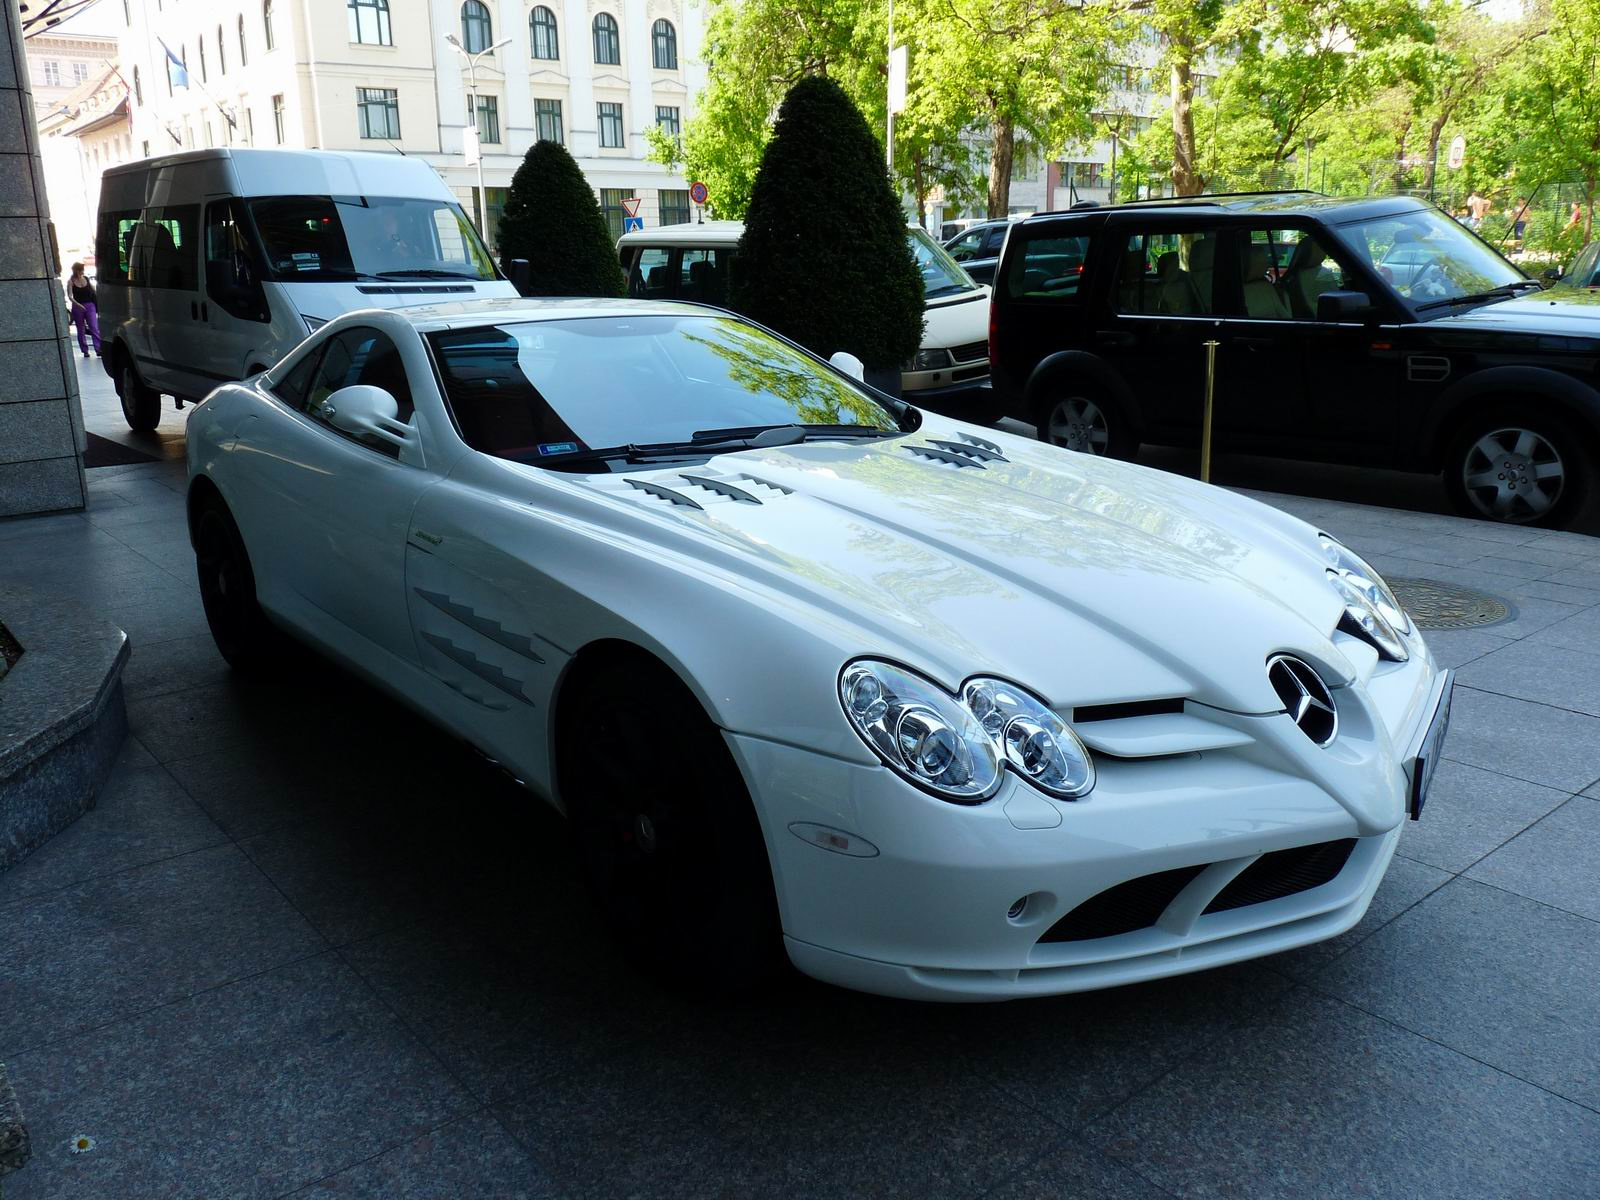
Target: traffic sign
{"type": "Point", "coordinates": [631, 206]}
{"type": "Point", "coordinates": [698, 192]}
{"type": "Point", "coordinates": [1458, 152]}
{"type": "Point", "coordinates": [632, 224]}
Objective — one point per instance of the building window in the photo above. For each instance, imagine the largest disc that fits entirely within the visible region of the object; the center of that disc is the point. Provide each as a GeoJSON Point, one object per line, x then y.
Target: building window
{"type": "Point", "coordinates": [244, 56]}
{"type": "Point", "coordinates": [80, 73]}
{"type": "Point", "coordinates": [607, 44]}
{"type": "Point", "coordinates": [250, 126]}
{"type": "Point", "coordinates": [205, 123]}
{"type": "Point", "coordinates": [369, 22]}
{"type": "Point", "coordinates": [379, 112]}
{"type": "Point", "coordinates": [667, 117]}
{"type": "Point", "coordinates": [674, 207]}
{"type": "Point", "coordinates": [266, 23]}
{"type": "Point", "coordinates": [201, 46]}
{"type": "Point", "coordinates": [144, 149]}
{"type": "Point", "coordinates": [277, 117]}
{"type": "Point", "coordinates": [610, 127]}
{"type": "Point", "coordinates": [222, 54]}
{"type": "Point", "coordinates": [547, 121]}
{"type": "Point", "coordinates": [664, 46]}
{"type": "Point", "coordinates": [488, 118]}
{"type": "Point", "coordinates": [52, 73]}
{"type": "Point", "coordinates": [127, 15]}
{"type": "Point", "coordinates": [611, 207]}
{"type": "Point", "coordinates": [542, 33]}
{"type": "Point", "coordinates": [477, 32]}
{"type": "Point", "coordinates": [138, 88]}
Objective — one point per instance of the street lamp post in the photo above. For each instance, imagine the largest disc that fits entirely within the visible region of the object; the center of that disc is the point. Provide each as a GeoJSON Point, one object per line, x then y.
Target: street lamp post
{"type": "Point", "coordinates": [481, 208]}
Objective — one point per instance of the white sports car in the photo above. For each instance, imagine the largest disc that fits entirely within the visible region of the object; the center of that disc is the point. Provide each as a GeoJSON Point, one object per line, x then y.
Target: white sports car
{"type": "Point", "coordinates": [941, 712]}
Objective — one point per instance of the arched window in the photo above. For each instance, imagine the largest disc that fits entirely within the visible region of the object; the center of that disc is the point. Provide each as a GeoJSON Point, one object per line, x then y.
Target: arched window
{"type": "Point", "coordinates": [244, 56]}
{"type": "Point", "coordinates": [138, 88]}
{"type": "Point", "coordinates": [477, 33]}
{"type": "Point", "coordinates": [369, 22]}
{"type": "Point", "coordinates": [266, 23]}
{"type": "Point", "coordinates": [664, 46]}
{"type": "Point", "coordinates": [200, 44]}
{"type": "Point", "coordinates": [607, 43]}
{"type": "Point", "coordinates": [542, 33]}
{"type": "Point", "coordinates": [222, 54]}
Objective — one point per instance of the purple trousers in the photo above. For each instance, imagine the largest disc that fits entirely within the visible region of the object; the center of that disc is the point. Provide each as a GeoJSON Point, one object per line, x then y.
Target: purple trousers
{"type": "Point", "coordinates": [87, 318]}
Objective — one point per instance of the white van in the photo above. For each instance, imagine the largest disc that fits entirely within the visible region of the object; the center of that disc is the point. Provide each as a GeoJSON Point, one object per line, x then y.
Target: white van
{"type": "Point", "coordinates": [214, 264]}
{"type": "Point", "coordinates": [691, 262]}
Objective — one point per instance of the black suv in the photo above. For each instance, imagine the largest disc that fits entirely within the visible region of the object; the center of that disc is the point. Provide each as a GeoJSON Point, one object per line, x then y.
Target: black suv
{"type": "Point", "coordinates": [1376, 332]}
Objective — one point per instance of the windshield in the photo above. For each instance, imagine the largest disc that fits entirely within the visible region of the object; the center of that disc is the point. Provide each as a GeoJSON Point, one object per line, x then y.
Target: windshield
{"type": "Point", "coordinates": [377, 237]}
{"type": "Point", "coordinates": [530, 390]}
{"type": "Point", "coordinates": [1427, 256]}
{"type": "Point", "coordinates": [941, 274]}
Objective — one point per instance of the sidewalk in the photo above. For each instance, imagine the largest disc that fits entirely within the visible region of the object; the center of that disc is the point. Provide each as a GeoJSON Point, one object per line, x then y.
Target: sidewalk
{"type": "Point", "coordinates": [306, 945]}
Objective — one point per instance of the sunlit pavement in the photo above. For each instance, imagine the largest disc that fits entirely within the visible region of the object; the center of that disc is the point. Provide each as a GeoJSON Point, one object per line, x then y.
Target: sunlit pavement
{"type": "Point", "coordinates": [306, 945]}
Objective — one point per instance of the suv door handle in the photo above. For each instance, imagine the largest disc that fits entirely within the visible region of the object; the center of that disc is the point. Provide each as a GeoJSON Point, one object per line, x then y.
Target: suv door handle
{"type": "Point", "coordinates": [1114, 337]}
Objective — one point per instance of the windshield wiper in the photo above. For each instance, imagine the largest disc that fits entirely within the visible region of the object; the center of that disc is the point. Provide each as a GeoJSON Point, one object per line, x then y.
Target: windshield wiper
{"type": "Point", "coordinates": [790, 433]}
{"type": "Point", "coordinates": [1503, 292]}
{"type": "Point", "coordinates": [425, 273]}
{"type": "Point", "coordinates": [711, 441]}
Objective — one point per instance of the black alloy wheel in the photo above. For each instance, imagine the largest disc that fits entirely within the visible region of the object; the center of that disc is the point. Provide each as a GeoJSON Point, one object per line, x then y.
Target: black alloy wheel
{"type": "Point", "coordinates": [242, 632]}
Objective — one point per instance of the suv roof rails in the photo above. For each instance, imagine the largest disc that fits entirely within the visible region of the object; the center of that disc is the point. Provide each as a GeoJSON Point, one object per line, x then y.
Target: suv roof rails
{"type": "Point", "coordinates": [1083, 204]}
{"type": "Point", "coordinates": [1208, 197]}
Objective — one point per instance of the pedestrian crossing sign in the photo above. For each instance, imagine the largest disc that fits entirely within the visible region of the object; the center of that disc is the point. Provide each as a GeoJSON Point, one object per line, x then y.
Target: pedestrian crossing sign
{"type": "Point", "coordinates": [632, 224]}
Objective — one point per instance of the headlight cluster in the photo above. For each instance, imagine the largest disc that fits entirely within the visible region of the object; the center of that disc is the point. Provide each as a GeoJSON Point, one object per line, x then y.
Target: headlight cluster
{"type": "Point", "coordinates": [928, 360]}
{"type": "Point", "coordinates": [1370, 610]}
{"type": "Point", "coordinates": [956, 747]}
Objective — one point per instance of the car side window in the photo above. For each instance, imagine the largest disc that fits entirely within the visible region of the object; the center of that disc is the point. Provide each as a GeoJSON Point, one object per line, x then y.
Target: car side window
{"type": "Point", "coordinates": [291, 388]}
{"type": "Point", "coordinates": [1046, 269]}
{"type": "Point", "coordinates": [363, 356]}
{"type": "Point", "coordinates": [1167, 273]}
{"type": "Point", "coordinates": [967, 245]}
{"type": "Point", "coordinates": [1282, 272]}
{"type": "Point", "coordinates": [1582, 273]}
{"type": "Point", "coordinates": [993, 243]}
{"type": "Point", "coordinates": [703, 276]}
{"type": "Point", "coordinates": [650, 278]}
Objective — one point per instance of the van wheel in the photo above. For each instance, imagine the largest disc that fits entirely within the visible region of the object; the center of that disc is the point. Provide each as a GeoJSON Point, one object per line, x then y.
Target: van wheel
{"type": "Point", "coordinates": [1085, 419]}
{"type": "Point", "coordinates": [141, 406]}
{"type": "Point", "coordinates": [1530, 469]}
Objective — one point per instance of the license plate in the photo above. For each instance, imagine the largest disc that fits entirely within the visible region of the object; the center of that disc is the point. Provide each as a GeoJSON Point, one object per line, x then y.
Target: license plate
{"type": "Point", "coordinates": [1420, 768]}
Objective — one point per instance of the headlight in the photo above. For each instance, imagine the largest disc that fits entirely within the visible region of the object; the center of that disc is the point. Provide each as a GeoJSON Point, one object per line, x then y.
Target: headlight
{"type": "Point", "coordinates": [956, 747]}
{"type": "Point", "coordinates": [929, 360]}
{"type": "Point", "coordinates": [1371, 611]}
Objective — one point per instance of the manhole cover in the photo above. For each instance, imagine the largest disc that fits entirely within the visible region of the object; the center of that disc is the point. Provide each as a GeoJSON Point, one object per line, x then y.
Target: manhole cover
{"type": "Point", "coordinates": [1435, 605]}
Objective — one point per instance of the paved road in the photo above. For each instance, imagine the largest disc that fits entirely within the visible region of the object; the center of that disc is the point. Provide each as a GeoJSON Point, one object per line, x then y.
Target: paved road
{"type": "Point", "coordinates": [307, 946]}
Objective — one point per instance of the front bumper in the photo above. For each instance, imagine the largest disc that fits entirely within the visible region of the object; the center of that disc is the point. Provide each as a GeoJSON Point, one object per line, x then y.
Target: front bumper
{"type": "Point", "coordinates": [959, 903]}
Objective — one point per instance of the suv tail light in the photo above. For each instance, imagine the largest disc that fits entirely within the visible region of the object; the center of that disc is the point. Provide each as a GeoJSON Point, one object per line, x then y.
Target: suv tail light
{"type": "Point", "coordinates": [994, 357]}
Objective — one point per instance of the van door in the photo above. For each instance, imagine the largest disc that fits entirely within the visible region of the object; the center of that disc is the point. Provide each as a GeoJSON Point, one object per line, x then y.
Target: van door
{"type": "Point", "coordinates": [166, 264]}
{"type": "Point", "coordinates": [234, 310]}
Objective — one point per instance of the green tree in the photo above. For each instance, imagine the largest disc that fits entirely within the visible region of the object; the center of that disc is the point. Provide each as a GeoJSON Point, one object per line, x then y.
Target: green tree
{"type": "Point", "coordinates": [552, 219]}
{"type": "Point", "coordinates": [824, 258]}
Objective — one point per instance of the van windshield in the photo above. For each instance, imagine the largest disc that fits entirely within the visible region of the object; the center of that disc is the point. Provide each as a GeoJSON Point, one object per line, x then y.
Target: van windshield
{"type": "Point", "coordinates": [367, 237]}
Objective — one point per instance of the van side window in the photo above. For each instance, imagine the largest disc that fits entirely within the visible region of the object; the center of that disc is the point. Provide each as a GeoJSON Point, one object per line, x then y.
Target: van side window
{"type": "Point", "coordinates": [1047, 269]}
{"type": "Point", "coordinates": [233, 275]}
{"type": "Point", "coordinates": [113, 244]}
{"type": "Point", "coordinates": [650, 279]}
{"type": "Point", "coordinates": [165, 249]}
{"type": "Point", "coordinates": [703, 276]}
{"type": "Point", "coordinates": [1167, 273]}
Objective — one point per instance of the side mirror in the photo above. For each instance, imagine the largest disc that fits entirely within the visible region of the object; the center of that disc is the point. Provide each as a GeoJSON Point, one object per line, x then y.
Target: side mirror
{"type": "Point", "coordinates": [364, 410]}
{"type": "Point", "coordinates": [852, 366]}
{"type": "Point", "coordinates": [1343, 306]}
{"type": "Point", "coordinates": [1551, 275]}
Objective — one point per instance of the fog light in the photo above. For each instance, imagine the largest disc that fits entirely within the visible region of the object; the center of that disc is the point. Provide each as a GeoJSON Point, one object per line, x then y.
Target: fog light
{"type": "Point", "coordinates": [1018, 907]}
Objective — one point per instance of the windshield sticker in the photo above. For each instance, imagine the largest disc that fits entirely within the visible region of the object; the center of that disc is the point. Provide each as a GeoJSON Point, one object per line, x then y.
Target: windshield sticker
{"type": "Point", "coordinates": [306, 260]}
{"type": "Point", "coordinates": [557, 447]}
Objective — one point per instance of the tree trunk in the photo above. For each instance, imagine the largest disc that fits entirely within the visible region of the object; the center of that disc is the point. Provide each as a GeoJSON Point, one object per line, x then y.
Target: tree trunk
{"type": "Point", "coordinates": [1186, 179]}
{"type": "Point", "coordinates": [1002, 151]}
{"type": "Point", "coordinates": [1588, 211]}
{"type": "Point", "coordinates": [1435, 131]}
{"type": "Point", "coordinates": [919, 184]}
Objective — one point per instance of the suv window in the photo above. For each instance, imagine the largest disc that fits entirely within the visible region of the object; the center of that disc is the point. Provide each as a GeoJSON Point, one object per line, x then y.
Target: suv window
{"type": "Point", "coordinates": [1047, 269]}
{"type": "Point", "coordinates": [1283, 271]}
{"type": "Point", "coordinates": [968, 245]}
{"type": "Point", "coordinates": [1167, 273]}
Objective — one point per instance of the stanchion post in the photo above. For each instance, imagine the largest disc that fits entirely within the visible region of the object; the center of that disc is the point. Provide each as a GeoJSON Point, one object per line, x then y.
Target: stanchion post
{"type": "Point", "coordinates": [1205, 427]}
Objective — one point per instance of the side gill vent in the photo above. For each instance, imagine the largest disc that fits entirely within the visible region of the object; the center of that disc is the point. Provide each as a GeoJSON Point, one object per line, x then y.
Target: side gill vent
{"type": "Point", "coordinates": [721, 487]}
{"type": "Point", "coordinates": [776, 487]}
{"type": "Point", "coordinates": [953, 457]}
{"type": "Point", "coordinates": [971, 450]}
{"type": "Point", "coordinates": [667, 494]}
{"type": "Point", "coordinates": [972, 440]}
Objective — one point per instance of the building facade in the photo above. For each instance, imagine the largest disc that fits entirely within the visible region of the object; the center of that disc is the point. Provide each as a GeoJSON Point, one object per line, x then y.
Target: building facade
{"type": "Point", "coordinates": [59, 64]}
{"type": "Point", "coordinates": [594, 75]}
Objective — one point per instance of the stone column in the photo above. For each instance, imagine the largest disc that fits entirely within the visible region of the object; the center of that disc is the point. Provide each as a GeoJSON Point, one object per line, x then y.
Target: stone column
{"type": "Point", "coordinates": [41, 418]}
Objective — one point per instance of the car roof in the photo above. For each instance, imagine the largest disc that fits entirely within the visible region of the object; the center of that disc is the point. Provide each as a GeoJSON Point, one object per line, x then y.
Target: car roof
{"type": "Point", "coordinates": [691, 233]}
{"type": "Point", "coordinates": [461, 314]}
{"type": "Point", "coordinates": [1333, 209]}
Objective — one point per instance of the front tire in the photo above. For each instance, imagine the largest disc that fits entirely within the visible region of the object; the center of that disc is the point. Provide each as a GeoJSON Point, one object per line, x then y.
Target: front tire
{"type": "Point", "coordinates": [1083, 418]}
{"type": "Point", "coordinates": [665, 830]}
{"type": "Point", "coordinates": [141, 405]}
{"type": "Point", "coordinates": [242, 632]}
{"type": "Point", "coordinates": [1533, 468]}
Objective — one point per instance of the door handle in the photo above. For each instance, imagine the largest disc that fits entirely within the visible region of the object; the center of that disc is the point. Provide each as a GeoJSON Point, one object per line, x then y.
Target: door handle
{"type": "Point", "coordinates": [1114, 337]}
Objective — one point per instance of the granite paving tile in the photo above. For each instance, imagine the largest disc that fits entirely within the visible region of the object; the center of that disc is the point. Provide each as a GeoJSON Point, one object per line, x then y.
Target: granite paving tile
{"type": "Point", "coordinates": [1318, 1101]}
{"type": "Point", "coordinates": [1556, 861]}
{"type": "Point", "coordinates": [1505, 979]}
{"type": "Point", "coordinates": [1457, 647]}
{"type": "Point", "coordinates": [1406, 882]}
{"type": "Point", "coordinates": [1561, 593]}
{"type": "Point", "coordinates": [1448, 551]}
{"type": "Point", "coordinates": [213, 717]}
{"type": "Point", "coordinates": [829, 1094]}
{"type": "Point", "coordinates": [1528, 556]}
{"type": "Point", "coordinates": [1579, 631]}
{"type": "Point", "coordinates": [140, 816]}
{"type": "Point", "coordinates": [1074, 1170]}
{"type": "Point", "coordinates": [1523, 739]}
{"type": "Point", "coordinates": [1587, 577]}
{"type": "Point", "coordinates": [472, 1157]}
{"type": "Point", "coordinates": [27, 527]}
{"type": "Point", "coordinates": [178, 615]}
{"type": "Point", "coordinates": [1470, 811]}
{"type": "Point", "coordinates": [1560, 676]}
{"type": "Point", "coordinates": [172, 666]}
{"type": "Point", "coordinates": [257, 1088]}
{"type": "Point", "coordinates": [107, 948]}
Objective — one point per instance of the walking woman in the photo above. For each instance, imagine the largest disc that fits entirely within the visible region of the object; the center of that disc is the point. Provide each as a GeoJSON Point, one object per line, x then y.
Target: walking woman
{"type": "Point", "coordinates": [85, 309]}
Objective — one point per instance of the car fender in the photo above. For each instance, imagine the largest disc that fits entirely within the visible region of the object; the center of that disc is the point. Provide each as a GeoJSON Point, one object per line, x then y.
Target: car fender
{"type": "Point", "coordinates": [1563, 391]}
{"type": "Point", "coordinates": [1066, 363]}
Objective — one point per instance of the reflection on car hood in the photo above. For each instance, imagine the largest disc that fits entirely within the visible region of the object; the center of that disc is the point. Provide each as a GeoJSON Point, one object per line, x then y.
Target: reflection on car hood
{"type": "Point", "coordinates": [1561, 311]}
{"type": "Point", "coordinates": [1093, 581]}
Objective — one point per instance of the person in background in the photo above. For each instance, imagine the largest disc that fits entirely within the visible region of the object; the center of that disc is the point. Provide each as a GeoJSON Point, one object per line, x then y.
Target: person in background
{"type": "Point", "coordinates": [85, 309]}
{"type": "Point", "coordinates": [1518, 212]}
{"type": "Point", "coordinates": [1478, 207]}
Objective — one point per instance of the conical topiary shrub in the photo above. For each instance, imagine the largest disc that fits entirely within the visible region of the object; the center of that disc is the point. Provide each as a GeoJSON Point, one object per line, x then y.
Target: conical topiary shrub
{"type": "Point", "coordinates": [824, 258]}
{"type": "Point", "coordinates": [552, 219]}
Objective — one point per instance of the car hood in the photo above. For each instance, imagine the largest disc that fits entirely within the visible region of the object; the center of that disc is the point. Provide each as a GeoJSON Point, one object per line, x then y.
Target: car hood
{"type": "Point", "coordinates": [960, 551]}
{"type": "Point", "coordinates": [1561, 311]}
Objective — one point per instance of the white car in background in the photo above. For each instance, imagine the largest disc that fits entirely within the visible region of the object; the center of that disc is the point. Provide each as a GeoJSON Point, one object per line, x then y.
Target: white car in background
{"type": "Point", "coordinates": [942, 713]}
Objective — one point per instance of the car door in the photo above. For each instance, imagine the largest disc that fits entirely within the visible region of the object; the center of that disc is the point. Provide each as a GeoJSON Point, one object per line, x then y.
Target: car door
{"type": "Point", "coordinates": [332, 551]}
{"type": "Point", "coordinates": [1156, 316]}
{"type": "Point", "coordinates": [234, 310]}
{"type": "Point", "coordinates": [166, 264]}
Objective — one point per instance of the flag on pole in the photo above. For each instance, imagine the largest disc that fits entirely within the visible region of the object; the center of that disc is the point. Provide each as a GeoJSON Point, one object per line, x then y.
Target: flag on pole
{"type": "Point", "coordinates": [176, 71]}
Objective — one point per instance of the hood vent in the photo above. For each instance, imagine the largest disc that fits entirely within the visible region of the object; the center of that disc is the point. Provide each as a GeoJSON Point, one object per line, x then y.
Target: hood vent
{"type": "Point", "coordinates": [721, 487]}
{"type": "Point", "coordinates": [954, 457]}
{"type": "Point", "coordinates": [665, 493]}
{"type": "Point", "coordinates": [972, 450]}
{"type": "Point", "coordinates": [776, 487]}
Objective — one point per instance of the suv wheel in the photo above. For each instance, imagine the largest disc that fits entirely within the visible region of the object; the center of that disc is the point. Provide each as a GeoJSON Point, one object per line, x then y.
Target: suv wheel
{"type": "Point", "coordinates": [1526, 470]}
{"type": "Point", "coordinates": [1086, 421]}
